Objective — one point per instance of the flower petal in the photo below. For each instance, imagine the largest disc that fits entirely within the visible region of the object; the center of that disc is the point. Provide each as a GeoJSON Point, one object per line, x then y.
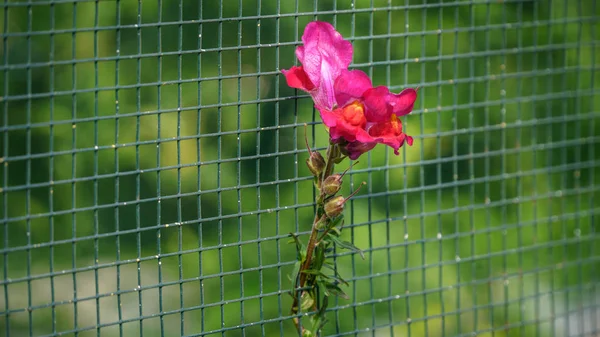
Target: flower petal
{"type": "Point", "coordinates": [356, 149]}
{"type": "Point", "coordinates": [329, 117]}
{"type": "Point", "coordinates": [375, 100]}
{"type": "Point", "coordinates": [351, 85]}
{"type": "Point", "coordinates": [297, 78]}
{"type": "Point", "coordinates": [403, 103]}
{"type": "Point", "coordinates": [390, 133]}
{"type": "Point", "coordinates": [346, 122]}
{"type": "Point", "coordinates": [323, 36]}
{"type": "Point", "coordinates": [300, 53]}
{"type": "Point", "coordinates": [324, 55]}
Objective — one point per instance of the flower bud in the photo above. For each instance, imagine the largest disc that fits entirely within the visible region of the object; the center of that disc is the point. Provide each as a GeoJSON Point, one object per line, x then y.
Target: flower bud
{"type": "Point", "coordinates": [332, 184]}
{"type": "Point", "coordinates": [335, 206]}
{"type": "Point", "coordinates": [316, 163]}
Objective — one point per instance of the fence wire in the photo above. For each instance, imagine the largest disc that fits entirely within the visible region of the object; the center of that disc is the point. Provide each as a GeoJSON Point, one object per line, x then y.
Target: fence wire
{"type": "Point", "coordinates": [152, 167]}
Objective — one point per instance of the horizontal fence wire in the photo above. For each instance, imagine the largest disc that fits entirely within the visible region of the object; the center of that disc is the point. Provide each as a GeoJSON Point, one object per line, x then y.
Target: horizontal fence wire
{"type": "Point", "coordinates": [152, 168]}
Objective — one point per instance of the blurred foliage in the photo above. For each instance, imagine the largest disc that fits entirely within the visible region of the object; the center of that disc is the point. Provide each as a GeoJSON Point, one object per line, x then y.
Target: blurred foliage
{"type": "Point", "coordinates": [130, 129]}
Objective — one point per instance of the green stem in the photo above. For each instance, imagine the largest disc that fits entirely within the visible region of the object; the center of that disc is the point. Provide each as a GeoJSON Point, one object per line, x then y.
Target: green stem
{"type": "Point", "coordinates": [312, 241]}
{"type": "Point", "coordinates": [310, 247]}
{"type": "Point", "coordinates": [330, 160]}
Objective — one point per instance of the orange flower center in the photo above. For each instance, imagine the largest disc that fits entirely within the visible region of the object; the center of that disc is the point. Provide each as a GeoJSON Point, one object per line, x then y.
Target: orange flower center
{"type": "Point", "coordinates": [396, 125]}
{"type": "Point", "coordinates": [391, 128]}
{"type": "Point", "coordinates": [354, 114]}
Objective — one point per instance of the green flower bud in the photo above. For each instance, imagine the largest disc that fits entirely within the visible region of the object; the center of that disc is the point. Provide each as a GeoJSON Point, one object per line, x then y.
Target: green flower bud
{"type": "Point", "coordinates": [335, 206]}
{"type": "Point", "coordinates": [315, 163]}
{"type": "Point", "coordinates": [332, 184]}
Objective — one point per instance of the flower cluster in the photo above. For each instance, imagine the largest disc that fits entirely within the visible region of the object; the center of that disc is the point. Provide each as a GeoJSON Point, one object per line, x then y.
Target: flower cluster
{"type": "Point", "coordinates": [358, 115]}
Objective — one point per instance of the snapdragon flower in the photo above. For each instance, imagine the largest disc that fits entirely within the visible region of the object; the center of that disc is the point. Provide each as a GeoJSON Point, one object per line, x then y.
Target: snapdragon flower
{"type": "Point", "coordinates": [358, 115]}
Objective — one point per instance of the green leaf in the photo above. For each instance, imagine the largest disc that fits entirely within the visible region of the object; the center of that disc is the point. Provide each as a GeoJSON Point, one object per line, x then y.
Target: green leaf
{"type": "Point", "coordinates": [294, 276]}
{"type": "Point", "coordinates": [319, 320]}
{"type": "Point", "coordinates": [324, 242]}
{"type": "Point", "coordinates": [336, 221]}
{"type": "Point", "coordinates": [319, 257]}
{"type": "Point", "coordinates": [328, 266]}
{"type": "Point", "coordinates": [300, 248]}
{"type": "Point", "coordinates": [347, 245]}
{"type": "Point", "coordinates": [335, 231]}
{"type": "Point", "coordinates": [339, 279]}
{"type": "Point", "coordinates": [336, 290]}
{"type": "Point", "coordinates": [322, 287]}
{"type": "Point", "coordinates": [306, 301]}
{"type": "Point", "coordinates": [337, 275]}
{"type": "Point", "coordinates": [319, 275]}
{"type": "Point", "coordinates": [323, 308]}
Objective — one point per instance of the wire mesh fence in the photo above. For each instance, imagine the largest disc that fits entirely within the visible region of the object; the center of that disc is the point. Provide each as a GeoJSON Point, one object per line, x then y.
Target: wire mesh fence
{"type": "Point", "coordinates": [152, 168]}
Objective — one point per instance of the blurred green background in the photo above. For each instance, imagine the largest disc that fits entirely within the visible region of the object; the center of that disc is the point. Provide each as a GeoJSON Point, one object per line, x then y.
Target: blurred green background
{"type": "Point", "coordinates": [130, 129]}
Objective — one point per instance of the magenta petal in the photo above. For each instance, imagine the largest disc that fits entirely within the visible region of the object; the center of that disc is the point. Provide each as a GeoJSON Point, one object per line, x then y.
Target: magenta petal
{"type": "Point", "coordinates": [364, 137]}
{"type": "Point", "coordinates": [322, 35]}
{"type": "Point", "coordinates": [395, 143]}
{"type": "Point", "coordinates": [335, 134]}
{"type": "Point", "coordinates": [329, 118]}
{"type": "Point", "coordinates": [300, 53]}
{"type": "Point", "coordinates": [402, 139]}
{"type": "Point", "coordinates": [351, 85]}
{"type": "Point", "coordinates": [324, 55]}
{"type": "Point", "coordinates": [403, 102]}
{"type": "Point", "coordinates": [296, 78]}
{"type": "Point", "coordinates": [355, 149]}
{"type": "Point", "coordinates": [377, 109]}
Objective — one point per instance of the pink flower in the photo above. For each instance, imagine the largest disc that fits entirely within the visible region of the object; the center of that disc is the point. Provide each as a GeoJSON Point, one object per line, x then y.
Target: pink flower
{"type": "Point", "coordinates": [324, 55]}
{"type": "Point", "coordinates": [369, 115]}
{"type": "Point", "coordinates": [358, 115]}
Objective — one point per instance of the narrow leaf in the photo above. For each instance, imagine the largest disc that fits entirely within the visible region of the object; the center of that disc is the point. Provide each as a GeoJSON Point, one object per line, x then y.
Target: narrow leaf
{"type": "Point", "coordinates": [347, 245]}
{"type": "Point", "coordinates": [300, 249]}
{"type": "Point", "coordinates": [323, 287]}
{"type": "Point", "coordinates": [323, 311]}
{"type": "Point", "coordinates": [294, 275]}
{"type": "Point", "coordinates": [319, 320]}
{"type": "Point", "coordinates": [323, 308]}
{"type": "Point", "coordinates": [337, 275]}
{"type": "Point", "coordinates": [306, 301]}
{"type": "Point", "coordinates": [319, 257]}
{"type": "Point", "coordinates": [336, 290]}
{"type": "Point", "coordinates": [335, 231]}
{"type": "Point", "coordinates": [336, 221]}
{"type": "Point", "coordinates": [317, 323]}
{"type": "Point", "coordinates": [339, 279]}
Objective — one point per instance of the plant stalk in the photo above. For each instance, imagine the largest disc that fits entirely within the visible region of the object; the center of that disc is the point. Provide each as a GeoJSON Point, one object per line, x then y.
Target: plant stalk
{"type": "Point", "coordinates": [312, 241]}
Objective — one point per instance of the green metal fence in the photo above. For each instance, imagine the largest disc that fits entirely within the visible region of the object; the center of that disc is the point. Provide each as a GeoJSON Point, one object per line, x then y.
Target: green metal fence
{"type": "Point", "coordinates": [152, 157]}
